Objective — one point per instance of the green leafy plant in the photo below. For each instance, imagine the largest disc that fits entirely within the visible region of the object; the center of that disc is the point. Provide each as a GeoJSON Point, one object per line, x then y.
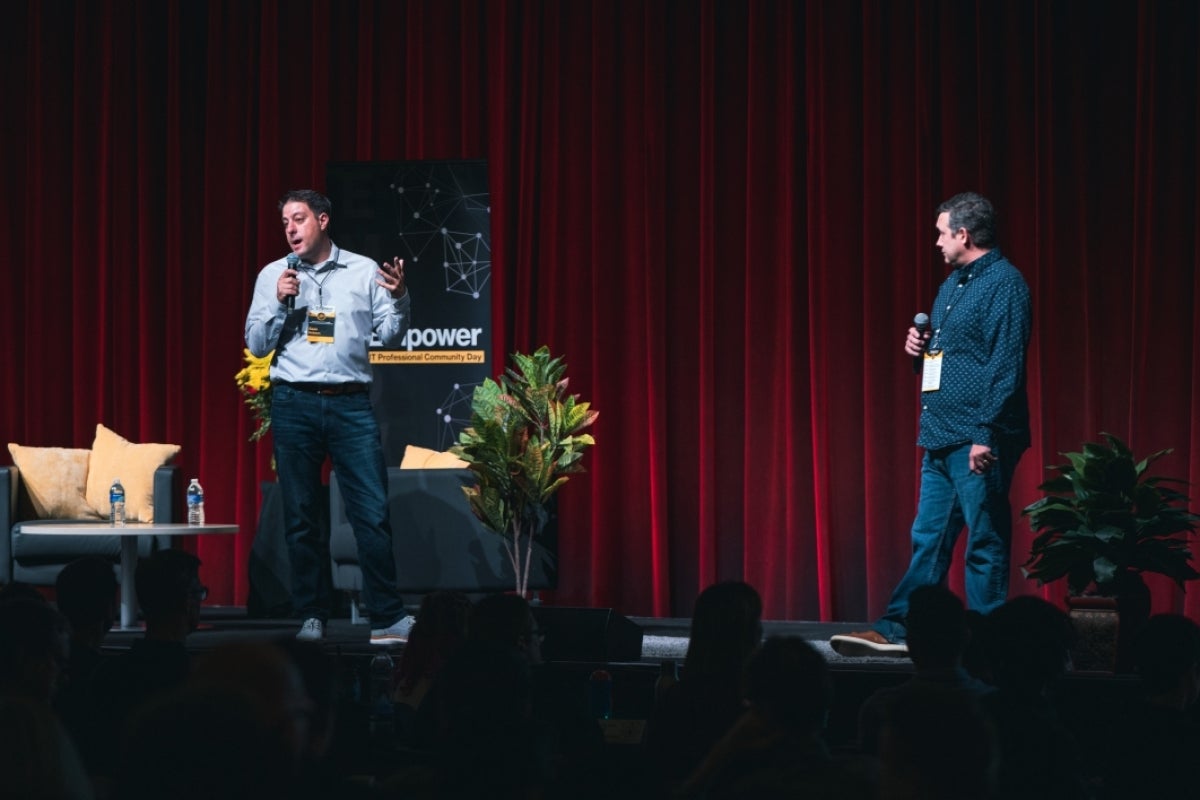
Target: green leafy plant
{"type": "Point", "coordinates": [524, 441]}
{"type": "Point", "coordinates": [1106, 520]}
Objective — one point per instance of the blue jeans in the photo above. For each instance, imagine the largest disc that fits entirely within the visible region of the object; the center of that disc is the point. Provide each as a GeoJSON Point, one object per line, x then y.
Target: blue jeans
{"type": "Point", "coordinates": [306, 428]}
{"type": "Point", "coordinates": [953, 496]}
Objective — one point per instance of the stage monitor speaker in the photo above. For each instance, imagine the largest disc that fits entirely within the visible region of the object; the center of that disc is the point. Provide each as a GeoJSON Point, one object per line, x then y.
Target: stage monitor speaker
{"type": "Point", "coordinates": [587, 634]}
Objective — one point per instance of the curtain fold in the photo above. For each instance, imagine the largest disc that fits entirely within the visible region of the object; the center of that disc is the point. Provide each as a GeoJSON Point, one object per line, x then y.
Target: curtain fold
{"type": "Point", "coordinates": [720, 213]}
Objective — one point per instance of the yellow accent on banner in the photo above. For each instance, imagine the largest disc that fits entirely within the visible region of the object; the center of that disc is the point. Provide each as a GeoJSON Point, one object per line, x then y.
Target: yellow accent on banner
{"type": "Point", "coordinates": [427, 357]}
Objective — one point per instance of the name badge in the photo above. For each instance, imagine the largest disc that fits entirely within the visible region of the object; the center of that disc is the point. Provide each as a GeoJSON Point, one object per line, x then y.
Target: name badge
{"type": "Point", "coordinates": [931, 374]}
{"type": "Point", "coordinates": [320, 324]}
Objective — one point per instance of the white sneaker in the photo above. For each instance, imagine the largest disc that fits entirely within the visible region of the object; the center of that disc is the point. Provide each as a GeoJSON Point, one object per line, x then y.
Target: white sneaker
{"type": "Point", "coordinates": [396, 633]}
{"type": "Point", "coordinates": [866, 644]}
{"type": "Point", "coordinates": [313, 630]}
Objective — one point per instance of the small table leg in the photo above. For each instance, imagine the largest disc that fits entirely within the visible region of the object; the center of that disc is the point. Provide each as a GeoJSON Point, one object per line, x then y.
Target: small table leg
{"type": "Point", "coordinates": [129, 551]}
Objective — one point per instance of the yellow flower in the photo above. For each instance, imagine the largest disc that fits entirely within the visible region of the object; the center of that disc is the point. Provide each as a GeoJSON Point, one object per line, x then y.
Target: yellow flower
{"type": "Point", "coordinates": [254, 382]}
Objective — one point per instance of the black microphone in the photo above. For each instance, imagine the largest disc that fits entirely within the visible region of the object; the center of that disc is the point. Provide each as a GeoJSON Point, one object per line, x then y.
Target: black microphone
{"type": "Point", "coordinates": [921, 323]}
{"type": "Point", "coordinates": [293, 262]}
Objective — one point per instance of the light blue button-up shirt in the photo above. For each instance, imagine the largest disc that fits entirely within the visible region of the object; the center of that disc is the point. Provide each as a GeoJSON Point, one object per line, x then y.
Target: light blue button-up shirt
{"type": "Point", "coordinates": [362, 310]}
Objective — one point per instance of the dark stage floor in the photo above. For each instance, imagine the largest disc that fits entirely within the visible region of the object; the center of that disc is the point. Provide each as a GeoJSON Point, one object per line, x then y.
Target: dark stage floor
{"type": "Point", "coordinates": [663, 637]}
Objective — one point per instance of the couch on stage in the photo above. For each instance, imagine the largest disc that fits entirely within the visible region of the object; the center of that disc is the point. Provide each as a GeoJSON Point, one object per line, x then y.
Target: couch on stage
{"type": "Point", "coordinates": [58, 484]}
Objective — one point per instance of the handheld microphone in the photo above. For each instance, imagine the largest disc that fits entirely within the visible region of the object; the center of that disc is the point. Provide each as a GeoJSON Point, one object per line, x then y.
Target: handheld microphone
{"type": "Point", "coordinates": [921, 322]}
{"type": "Point", "coordinates": [293, 262]}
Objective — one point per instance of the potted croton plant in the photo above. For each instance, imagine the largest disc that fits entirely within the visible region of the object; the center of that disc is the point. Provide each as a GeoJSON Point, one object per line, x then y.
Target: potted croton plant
{"type": "Point", "coordinates": [524, 441]}
{"type": "Point", "coordinates": [1104, 522]}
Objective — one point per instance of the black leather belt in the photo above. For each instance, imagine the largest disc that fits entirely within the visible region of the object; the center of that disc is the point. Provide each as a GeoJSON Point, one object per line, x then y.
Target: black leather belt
{"type": "Point", "coordinates": [328, 389]}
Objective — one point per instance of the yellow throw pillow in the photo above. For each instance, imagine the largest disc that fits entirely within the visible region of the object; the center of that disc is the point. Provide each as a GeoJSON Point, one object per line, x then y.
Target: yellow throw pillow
{"type": "Point", "coordinates": [445, 461]}
{"type": "Point", "coordinates": [56, 480]}
{"type": "Point", "coordinates": [114, 456]}
{"type": "Point", "coordinates": [415, 457]}
{"type": "Point", "coordinates": [424, 458]}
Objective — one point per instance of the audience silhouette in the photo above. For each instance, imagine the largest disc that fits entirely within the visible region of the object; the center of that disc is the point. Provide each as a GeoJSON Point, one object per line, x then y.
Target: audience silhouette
{"type": "Point", "coordinates": [1153, 748]}
{"type": "Point", "coordinates": [1029, 651]}
{"type": "Point", "coordinates": [37, 757]}
{"type": "Point", "coordinates": [86, 593]}
{"type": "Point", "coordinates": [938, 635]}
{"type": "Point", "coordinates": [440, 629]}
{"type": "Point", "coordinates": [495, 699]}
{"type": "Point", "coordinates": [776, 749]}
{"type": "Point", "coordinates": [746, 719]}
{"type": "Point", "coordinates": [703, 705]}
{"type": "Point", "coordinates": [234, 730]}
{"type": "Point", "coordinates": [169, 591]}
{"type": "Point", "coordinates": [33, 650]}
{"type": "Point", "coordinates": [936, 744]}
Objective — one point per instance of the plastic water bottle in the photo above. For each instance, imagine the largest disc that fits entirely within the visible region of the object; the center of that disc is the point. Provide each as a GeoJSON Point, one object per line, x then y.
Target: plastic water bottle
{"type": "Point", "coordinates": [600, 686]}
{"type": "Point", "coordinates": [668, 676]}
{"type": "Point", "coordinates": [116, 501]}
{"type": "Point", "coordinates": [195, 503]}
{"type": "Point", "coordinates": [381, 713]}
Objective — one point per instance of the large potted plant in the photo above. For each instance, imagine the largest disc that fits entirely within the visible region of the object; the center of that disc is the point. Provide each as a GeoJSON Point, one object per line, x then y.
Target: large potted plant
{"type": "Point", "coordinates": [524, 441]}
{"type": "Point", "coordinates": [1104, 522]}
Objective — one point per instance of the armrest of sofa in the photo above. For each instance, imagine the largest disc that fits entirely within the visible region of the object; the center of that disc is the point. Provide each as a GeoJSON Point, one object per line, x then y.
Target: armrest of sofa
{"type": "Point", "coordinates": [168, 494]}
{"type": "Point", "coordinates": [9, 478]}
{"type": "Point", "coordinates": [168, 499]}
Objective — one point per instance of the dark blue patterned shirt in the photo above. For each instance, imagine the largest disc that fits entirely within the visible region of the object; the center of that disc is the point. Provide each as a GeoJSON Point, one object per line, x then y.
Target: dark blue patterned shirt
{"type": "Point", "coordinates": [980, 321]}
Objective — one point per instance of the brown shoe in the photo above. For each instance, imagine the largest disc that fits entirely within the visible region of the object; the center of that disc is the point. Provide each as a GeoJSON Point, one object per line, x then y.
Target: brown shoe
{"type": "Point", "coordinates": [866, 643]}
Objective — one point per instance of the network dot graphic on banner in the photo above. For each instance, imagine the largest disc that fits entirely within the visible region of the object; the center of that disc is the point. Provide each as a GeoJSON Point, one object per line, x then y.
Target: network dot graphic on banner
{"type": "Point", "coordinates": [434, 220]}
{"type": "Point", "coordinates": [454, 414]}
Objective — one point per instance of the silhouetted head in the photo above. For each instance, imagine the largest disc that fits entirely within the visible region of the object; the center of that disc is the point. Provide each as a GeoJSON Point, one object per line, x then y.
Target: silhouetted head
{"type": "Point", "coordinates": [726, 627]}
{"type": "Point", "coordinates": [506, 620]}
{"type": "Point", "coordinates": [936, 627]}
{"type": "Point", "coordinates": [1167, 657]}
{"type": "Point", "coordinates": [937, 744]}
{"type": "Point", "coordinates": [86, 593]}
{"type": "Point", "coordinates": [33, 649]}
{"type": "Point", "coordinates": [169, 589]}
{"type": "Point", "coordinates": [788, 681]}
{"type": "Point", "coordinates": [1030, 643]}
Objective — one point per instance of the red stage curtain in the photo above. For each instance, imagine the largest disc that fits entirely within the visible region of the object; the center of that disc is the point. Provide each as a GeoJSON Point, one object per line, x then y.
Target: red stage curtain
{"type": "Point", "coordinates": [721, 213]}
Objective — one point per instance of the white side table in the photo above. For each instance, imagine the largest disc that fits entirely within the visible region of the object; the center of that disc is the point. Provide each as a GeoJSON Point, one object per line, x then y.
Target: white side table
{"type": "Point", "coordinates": [129, 534]}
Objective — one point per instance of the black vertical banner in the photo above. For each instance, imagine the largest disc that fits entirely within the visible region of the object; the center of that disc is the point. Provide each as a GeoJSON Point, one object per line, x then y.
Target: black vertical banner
{"type": "Point", "coordinates": [436, 216]}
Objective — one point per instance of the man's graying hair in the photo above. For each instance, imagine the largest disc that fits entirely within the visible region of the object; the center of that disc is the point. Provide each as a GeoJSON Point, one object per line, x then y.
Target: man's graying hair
{"type": "Point", "coordinates": [318, 202]}
{"type": "Point", "coordinates": [973, 212]}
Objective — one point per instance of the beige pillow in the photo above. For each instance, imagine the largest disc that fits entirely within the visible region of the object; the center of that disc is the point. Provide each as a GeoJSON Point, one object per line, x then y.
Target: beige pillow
{"type": "Point", "coordinates": [114, 456]}
{"type": "Point", "coordinates": [424, 458]}
{"type": "Point", "coordinates": [56, 480]}
{"type": "Point", "coordinates": [445, 461]}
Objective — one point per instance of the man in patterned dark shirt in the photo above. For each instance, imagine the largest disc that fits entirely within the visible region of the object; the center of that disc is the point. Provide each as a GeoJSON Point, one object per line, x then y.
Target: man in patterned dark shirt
{"type": "Point", "coordinates": [974, 421]}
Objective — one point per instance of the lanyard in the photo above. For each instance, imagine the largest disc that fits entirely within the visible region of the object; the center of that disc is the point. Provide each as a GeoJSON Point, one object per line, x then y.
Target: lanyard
{"type": "Point", "coordinates": [935, 342]}
{"type": "Point", "coordinates": [312, 274]}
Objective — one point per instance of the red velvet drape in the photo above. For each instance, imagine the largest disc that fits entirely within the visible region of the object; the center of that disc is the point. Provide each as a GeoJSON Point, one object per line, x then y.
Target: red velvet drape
{"type": "Point", "coordinates": [721, 213]}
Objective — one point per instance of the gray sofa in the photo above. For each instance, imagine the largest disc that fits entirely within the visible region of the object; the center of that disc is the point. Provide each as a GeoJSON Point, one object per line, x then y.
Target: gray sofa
{"type": "Point", "coordinates": [37, 560]}
{"type": "Point", "coordinates": [437, 541]}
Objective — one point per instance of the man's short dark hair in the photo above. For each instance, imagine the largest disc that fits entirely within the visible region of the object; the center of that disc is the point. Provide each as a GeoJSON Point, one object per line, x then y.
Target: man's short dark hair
{"type": "Point", "coordinates": [502, 619]}
{"type": "Point", "coordinates": [1165, 650]}
{"type": "Point", "coordinates": [318, 202]}
{"type": "Point", "coordinates": [975, 213]}
{"type": "Point", "coordinates": [787, 679]}
{"type": "Point", "coordinates": [85, 589]}
{"type": "Point", "coordinates": [164, 581]}
{"type": "Point", "coordinates": [937, 622]}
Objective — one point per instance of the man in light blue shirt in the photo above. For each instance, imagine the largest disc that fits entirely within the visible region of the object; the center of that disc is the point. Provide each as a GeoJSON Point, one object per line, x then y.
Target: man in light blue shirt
{"type": "Point", "coordinates": [318, 310]}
